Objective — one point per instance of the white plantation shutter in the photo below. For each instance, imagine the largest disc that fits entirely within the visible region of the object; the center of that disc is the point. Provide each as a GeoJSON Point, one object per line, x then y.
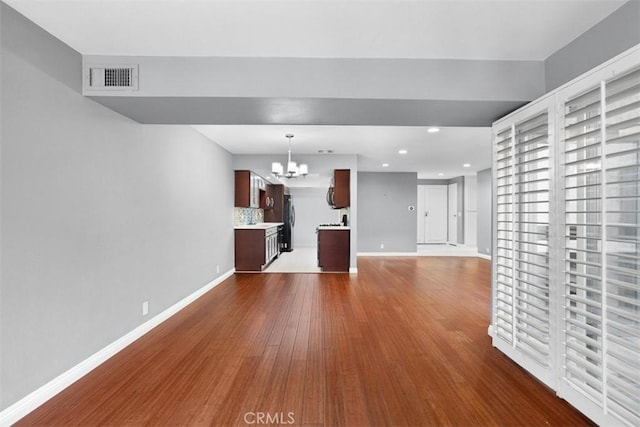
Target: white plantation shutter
{"type": "Point", "coordinates": [531, 227]}
{"type": "Point", "coordinates": [522, 300]}
{"type": "Point", "coordinates": [582, 279]}
{"type": "Point", "coordinates": [504, 298]}
{"type": "Point", "coordinates": [566, 258]}
{"type": "Point", "coordinates": [622, 246]}
{"type": "Point", "coordinates": [601, 168]}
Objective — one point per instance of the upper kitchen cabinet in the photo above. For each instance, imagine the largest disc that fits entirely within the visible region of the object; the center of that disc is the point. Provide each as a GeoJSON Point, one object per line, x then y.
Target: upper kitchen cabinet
{"type": "Point", "coordinates": [250, 189]}
{"type": "Point", "coordinates": [339, 194]}
{"type": "Point", "coordinates": [275, 212]}
{"type": "Point", "coordinates": [266, 198]}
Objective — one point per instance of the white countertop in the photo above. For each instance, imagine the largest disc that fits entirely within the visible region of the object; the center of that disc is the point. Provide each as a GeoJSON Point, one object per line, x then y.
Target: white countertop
{"type": "Point", "coordinates": [259, 226]}
{"type": "Point", "coordinates": [333, 227]}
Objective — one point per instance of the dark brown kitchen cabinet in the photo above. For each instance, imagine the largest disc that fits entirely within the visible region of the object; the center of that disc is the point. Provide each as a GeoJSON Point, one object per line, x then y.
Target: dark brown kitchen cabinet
{"type": "Point", "coordinates": [255, 248]}
{"type": "Point", "coordinates": [339, 195]}
{"type": "Point", "coordinates": [276, 212]}
{"type": "Point", "coordinates": [334, 249]}
{"type": "Point", "coordinates": [268, 199]}
{"type": "Point", "coordinates": [243, 189]}
{"type": "Point", "coordinates": [250, 189]}
{"type": "Point", "coordinates": [249, 250]}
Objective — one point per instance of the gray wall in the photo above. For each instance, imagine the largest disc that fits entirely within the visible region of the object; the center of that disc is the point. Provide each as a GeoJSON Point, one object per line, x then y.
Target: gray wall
{"type": "Point", "coordinates": [323, 91]}
{"type": "Point", "coordinates": [608, 38]}
{"type": "Point", "coordinates": [311, 210]}
{"type": "Point", "coordinates": [332, 78]}
{"type": "Point", "coordinates": [433, 181]}
{"type": "Point", "coordinates": [383, 201]}
{"type": "Point", "coordinates": [484, 212]}
{"type": "Point", "coordinates": [98, 214]}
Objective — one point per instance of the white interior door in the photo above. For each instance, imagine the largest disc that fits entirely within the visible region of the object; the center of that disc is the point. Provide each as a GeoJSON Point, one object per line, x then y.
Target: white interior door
{"type": "Point", "coordinates": [432, 214]}
{"type": "Point", "coordinates": [435, 214]}
{"type": "Point", "coordinates": [420, 216]}
{"type": "Point", "coordinates": [453, 214]}
{"type": "Point", "coordinates": [470, 216]}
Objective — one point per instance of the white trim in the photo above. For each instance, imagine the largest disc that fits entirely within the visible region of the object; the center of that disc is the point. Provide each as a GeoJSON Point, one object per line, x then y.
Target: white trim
{"type": "Point", "coordinates": [604, 318]}
{"type": "Point", "coordinates": [484, 256]}
{"type": "Point", "coordinates": [353, 270]}
{"type": "Point", "coordinates": [490, 331]}
{"type": "Point", "coordinates": [586, 404]}
{"type": "Point", "coordinates": [449, 254]}
{"type": "Point", "coordinates": [421, 254]}
{"type": "Point", "coordinates": [542, 373]}
{"type": "Point", "coordinates": [33, 400]}
{"type": "Point", "coordinates": [387, 254]}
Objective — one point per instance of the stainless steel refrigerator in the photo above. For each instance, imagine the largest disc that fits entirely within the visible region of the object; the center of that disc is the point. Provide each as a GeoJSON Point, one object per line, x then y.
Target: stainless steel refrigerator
{"type": "Point", "coordinates": [289, 219]}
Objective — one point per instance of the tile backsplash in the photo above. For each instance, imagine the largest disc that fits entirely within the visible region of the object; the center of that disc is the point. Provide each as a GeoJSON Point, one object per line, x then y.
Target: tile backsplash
{"type": "Point", "coordinates": [244, 216]}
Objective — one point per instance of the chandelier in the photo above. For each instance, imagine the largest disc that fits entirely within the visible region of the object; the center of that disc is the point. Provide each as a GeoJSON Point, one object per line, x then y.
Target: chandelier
{"type": "Point", "coordinates": [293, 169]}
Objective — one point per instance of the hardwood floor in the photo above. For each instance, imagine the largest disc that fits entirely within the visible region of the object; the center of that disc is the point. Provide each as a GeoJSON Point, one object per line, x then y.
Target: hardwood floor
{"type": "Point", "coordinates": [404, 342]}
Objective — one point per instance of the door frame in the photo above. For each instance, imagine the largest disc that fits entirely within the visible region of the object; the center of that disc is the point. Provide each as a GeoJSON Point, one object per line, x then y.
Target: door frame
{"type": "Point", "coordinates": [452, 205]}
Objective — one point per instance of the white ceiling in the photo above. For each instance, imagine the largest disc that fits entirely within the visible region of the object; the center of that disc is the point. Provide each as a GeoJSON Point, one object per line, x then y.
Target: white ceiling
{"type": "Point", "coordinates": [451, 29]}
{"type": "Point", "coordinates": [429, 154]}
{"type": "Point", "coordinates": [454, 29]}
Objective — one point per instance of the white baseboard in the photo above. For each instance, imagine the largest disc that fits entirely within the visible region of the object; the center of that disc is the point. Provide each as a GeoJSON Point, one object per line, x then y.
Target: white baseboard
{"type": "Point", "coordinates": [490, 331]}
{"type": "Point", "coordinates": [353, 270]}
{"type": "Point", "coordinates": [387, 254]}
{"type": "Point", "coordinates": [421, 254]}
{"type": "Point", "coordinates": [24, 406]}
{"type": "Point", "coordinates": [484, 256]}
{"type": "Point", "coordinates": [448, 254]}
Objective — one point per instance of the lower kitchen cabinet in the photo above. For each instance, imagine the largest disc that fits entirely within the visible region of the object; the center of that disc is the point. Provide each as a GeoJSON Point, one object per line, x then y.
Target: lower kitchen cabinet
{"type": "Point", "coordinates": [255, 248]}
{"type": "Point", "coordinates": [334, 249]}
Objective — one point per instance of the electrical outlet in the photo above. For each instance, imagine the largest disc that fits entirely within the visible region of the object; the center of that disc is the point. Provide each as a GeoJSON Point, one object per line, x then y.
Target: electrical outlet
{"type": "Point", "coordinates": [217, 269]}
{"type": "Point", "coordinates": [145, 308]}
{"type": "Point", "coordinates": [381, 245]}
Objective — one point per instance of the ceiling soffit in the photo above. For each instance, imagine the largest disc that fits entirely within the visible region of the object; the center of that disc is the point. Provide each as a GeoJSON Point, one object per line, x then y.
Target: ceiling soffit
{"type": "Point", "coordinates": [326, 91]}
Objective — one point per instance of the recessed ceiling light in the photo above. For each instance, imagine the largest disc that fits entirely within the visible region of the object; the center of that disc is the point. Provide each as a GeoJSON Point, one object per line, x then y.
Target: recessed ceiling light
{"type": "Point", "coordinates": [403, 151]}
{"type": "Point", "coordinates": [385, 165]}
{"type": "Point", "coordinates": [433, 130]}
{"type": "Point", "coordinates": [466, 165]}
{"type": "Point", "coordinates": [440, 174]}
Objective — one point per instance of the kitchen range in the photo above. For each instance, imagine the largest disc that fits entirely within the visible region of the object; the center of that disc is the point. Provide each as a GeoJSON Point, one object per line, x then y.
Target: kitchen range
{"type": "Point", "coordinates": [265, 222]}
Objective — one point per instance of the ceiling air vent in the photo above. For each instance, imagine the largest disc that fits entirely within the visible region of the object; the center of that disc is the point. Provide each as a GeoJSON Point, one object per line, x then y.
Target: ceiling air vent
{"type": "Point", "coordinates": [112, 77]}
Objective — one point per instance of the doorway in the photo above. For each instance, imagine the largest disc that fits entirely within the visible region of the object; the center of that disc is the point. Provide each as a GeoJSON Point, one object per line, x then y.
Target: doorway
{"type": "Point", "coordinates": [432, 214]}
